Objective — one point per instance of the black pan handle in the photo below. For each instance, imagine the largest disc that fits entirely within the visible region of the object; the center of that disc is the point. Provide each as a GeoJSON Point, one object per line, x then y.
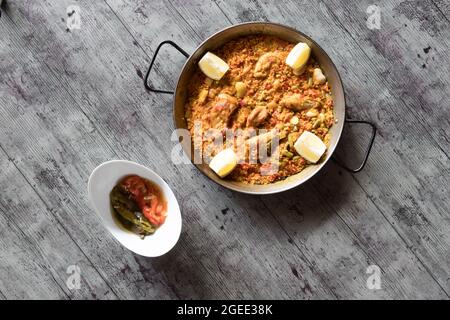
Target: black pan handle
{"type": "Point", "coordinates": [366, 155]}
{"type": "Point", "coordinates": [173, 44]}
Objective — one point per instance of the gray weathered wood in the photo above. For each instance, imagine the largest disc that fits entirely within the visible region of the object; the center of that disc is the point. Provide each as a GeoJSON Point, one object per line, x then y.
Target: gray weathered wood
{"type": "Point", "coordinates": [71, 100]}
{"type": "Point", "coordinates": [402, 201]}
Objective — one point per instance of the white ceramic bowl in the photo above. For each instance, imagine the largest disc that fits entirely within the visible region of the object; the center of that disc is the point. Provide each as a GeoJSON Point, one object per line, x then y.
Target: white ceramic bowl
{"type": "Point", "coordinates": [101, 182]}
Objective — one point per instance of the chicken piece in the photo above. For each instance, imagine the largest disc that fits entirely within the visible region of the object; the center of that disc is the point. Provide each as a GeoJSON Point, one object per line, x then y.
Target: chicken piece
{"type": "Point", "coordinates": [297, 103]}
{"type": "Point", "coordinates": [264, 63]}
{"type": "Point", "coordinates": [318, 76]}
{"type": "Point", "coordinates": [272, 105]}
{"type": "Point", "coordinates": [221, 111]}
{"type": "Point", "coordinates": [257, 116]}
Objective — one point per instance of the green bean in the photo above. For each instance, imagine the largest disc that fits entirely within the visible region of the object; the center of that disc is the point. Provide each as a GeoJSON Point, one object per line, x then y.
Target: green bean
{"type": "Point", "coordinates": [287, 154]}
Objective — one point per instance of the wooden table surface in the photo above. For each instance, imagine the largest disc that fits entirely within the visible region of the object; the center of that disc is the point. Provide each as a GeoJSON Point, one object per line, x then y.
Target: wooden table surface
{"type": "Point", "coordinates": [71, 99]}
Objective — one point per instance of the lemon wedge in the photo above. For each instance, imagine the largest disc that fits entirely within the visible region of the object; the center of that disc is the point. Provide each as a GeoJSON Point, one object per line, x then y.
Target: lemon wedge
{"type": "Point", "coordinates": [212, 66]}
{"type": "Point", "coordinates": [310, 146]}
{"type": "Point", "coordinates": [224, 162]}
{"type": "Point", "coordinates": [298, 56]}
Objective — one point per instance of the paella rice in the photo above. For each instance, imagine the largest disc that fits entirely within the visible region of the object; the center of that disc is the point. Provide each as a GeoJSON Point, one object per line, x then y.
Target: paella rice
{"type": "Point", "coordinates": [260, 91]}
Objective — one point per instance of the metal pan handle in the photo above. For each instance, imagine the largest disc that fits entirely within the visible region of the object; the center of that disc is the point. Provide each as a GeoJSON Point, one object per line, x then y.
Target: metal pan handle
{"type": "Point", "coordinates": [173, 44]}
{"type": "Point", "coordinates": [366, 155]}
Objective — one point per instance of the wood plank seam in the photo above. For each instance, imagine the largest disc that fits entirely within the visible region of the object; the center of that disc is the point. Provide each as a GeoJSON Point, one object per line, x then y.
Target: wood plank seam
{"type": "Point", "coordinates": [221, 10]}
{"type": "Point", "coordinates": [437, 144]}
{"type": "Point", "coordinates": [339, 216]}
{"type": "Point", "coordinates": [353, 177]}
{"type": "Point", "coordinates": [421, 123]}
{"type": "Point", "coordinates": [337, 225]}
{"type": "Point", "coordinates": [126, 28]}
{"type": "Point", "coordinates": [182, 17]}
{"type": "Point", "coordinates": [375, 68]}
{"type": "Point", "coordinates": [298, 248]}
{"type": "Point", "coordinates": [264, 203]}
{"type": "Point", "coordinates": [107, 143]}
{"type": "Point", "coordinates": [440, 11]}
{"type": "Point", "coordinates": [57, 219]}
{"type": "Point", "coordinates": [129, 32]}
{"type": "Point", "coordinates": [368, 255]}
{"type": "Point", "coordinates": [408, 246]}
{"type": "Point", "coordinates": [427, 131]}
{"type": "Point", "coordinates": [3, 295]}
{"type": "Point", "coordinates": [185, 21]}
{"type": "Point", "coordinates": [27, 239]}
{"type": "Point", "coordinates": [81, 110]}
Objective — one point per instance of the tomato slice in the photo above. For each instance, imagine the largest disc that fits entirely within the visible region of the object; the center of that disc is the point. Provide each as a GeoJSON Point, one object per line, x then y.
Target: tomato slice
{"type": "Point", "coordinates": [146, 198]}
